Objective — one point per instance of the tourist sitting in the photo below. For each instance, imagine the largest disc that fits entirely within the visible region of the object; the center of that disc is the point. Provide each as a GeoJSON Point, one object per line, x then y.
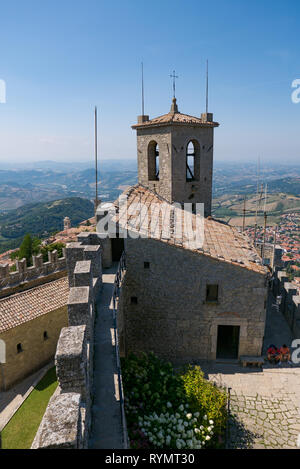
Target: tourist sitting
{"type": "Point", "coordinates": [273, 354]}
{"type": "Point", "coordinates": [285, 355]}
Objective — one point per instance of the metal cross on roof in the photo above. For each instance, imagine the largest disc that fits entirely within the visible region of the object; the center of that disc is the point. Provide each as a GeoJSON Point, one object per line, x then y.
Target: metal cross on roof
{"type": "Point", "coordinates": [174, 78]}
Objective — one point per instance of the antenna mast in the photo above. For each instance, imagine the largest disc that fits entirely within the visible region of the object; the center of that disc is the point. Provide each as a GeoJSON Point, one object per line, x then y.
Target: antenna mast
{"type": "Point", "coordinates": [143, 109]}
{"type": "Point", "coordinates": [206, 86]}
{"type": "Point", "coordinates": [255, 227]}
{"type": "Point", "coordinates": [265, 221]}
{"type": "Point", "coordinates": [96, 160]}
{"type": "Point", "coordinates": [244, 213]}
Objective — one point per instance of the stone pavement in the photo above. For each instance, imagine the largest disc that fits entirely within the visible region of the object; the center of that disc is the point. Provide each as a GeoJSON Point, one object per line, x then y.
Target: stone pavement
{"type": "Point", "coordinates": [265, 404]}
{"type": "Point", "coordinates": [106, 431]}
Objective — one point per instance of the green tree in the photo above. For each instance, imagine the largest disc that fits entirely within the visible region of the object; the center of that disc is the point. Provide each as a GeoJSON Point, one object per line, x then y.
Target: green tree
{"type": "Point", "coordinates": [52, 247]}
{"type": "Point", "coordinates": [26, 249]}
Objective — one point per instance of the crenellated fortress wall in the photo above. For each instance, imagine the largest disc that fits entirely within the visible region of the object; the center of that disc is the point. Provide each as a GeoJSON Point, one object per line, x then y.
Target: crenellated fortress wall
{"type": "Point", "coordinates": [67, 420]}
{"type": "Point", "coordinates": [28, 277]}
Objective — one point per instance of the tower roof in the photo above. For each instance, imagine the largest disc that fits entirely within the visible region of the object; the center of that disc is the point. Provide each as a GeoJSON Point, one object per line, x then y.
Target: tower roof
{"type": "Point", "coordinates": [175, 117]}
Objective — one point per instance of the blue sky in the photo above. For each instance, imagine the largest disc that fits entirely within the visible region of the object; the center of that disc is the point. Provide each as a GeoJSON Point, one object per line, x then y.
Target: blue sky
{"type": "Point", "coordinates": [60, 58]}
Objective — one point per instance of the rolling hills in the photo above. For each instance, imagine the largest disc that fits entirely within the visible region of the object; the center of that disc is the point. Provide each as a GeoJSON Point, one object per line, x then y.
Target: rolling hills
{"type": "Point", "coordinates": [41, 219]}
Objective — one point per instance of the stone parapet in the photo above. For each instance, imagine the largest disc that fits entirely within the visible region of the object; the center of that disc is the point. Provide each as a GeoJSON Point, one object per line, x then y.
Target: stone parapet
{"type": "Point", "coordinates": [289, 300]}
{"type": "Point", "coordinates": [26, 277]}
{"type": "Point", "coordinates": [66, 423]}
{"type": "Point", "coordinates": [62, 426]}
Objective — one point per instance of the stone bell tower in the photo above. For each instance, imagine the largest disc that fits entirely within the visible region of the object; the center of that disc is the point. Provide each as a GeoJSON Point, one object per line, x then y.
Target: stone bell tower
{"type": "Point", "coordinates": [175, 156]}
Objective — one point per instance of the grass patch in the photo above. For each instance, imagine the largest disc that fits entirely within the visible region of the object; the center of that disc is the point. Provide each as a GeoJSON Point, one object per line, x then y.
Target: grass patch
{"type": "Point", "coordinates": [20, 431]}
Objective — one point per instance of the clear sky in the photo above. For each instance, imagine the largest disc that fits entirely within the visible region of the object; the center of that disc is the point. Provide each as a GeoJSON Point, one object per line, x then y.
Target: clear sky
{"type": "Point", "coordinates": [60, 58]}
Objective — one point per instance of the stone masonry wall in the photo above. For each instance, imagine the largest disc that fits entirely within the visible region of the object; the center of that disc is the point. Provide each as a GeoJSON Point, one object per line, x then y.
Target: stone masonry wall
{"type": "Point", "coordinates": [36, 350]}
{"type": "Point", "coordinates": [29, 277]}
{"type": "Point", "coordinates": [290, 301]}
{"type": "Point", "coordinates": [172, 184]}
{"type": "Point", "coordinates": [66, 423]}
{"type": "Point", "coordinates": [164, 307]}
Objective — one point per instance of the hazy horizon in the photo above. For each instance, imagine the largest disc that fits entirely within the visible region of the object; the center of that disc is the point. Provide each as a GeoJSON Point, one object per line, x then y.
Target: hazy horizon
{"type": "Point", "coordinates": [60, 59]}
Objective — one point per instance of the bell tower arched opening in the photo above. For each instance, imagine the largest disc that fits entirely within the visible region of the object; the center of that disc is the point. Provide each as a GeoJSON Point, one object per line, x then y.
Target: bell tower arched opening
{"type": "Point", "coordinates": [153, 161]}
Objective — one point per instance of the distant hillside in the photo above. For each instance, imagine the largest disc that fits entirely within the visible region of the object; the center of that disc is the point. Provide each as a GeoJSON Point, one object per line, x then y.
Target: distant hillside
{"type": "Point", "coordinates": [289, 185]}
{"type": "Point", "coordinates": [223, 185]}
{"type": "Point", "coordinates": [41, 219]}
{"type": "Point", "coordinates": [22, 187]}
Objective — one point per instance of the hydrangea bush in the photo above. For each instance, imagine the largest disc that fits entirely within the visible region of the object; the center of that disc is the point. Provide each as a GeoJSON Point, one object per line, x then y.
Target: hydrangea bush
{"type": "Point", "coordinates": [171, 410]}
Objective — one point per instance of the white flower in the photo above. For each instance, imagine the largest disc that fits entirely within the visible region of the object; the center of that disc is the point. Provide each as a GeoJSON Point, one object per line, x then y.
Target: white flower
{"type": "Point", "coordinates": [189, 416]}
{"type": "Point", "coordinates": [196, 414]}
{"type": "Point", "coordinates": [178, 444]}
{"type": "Point", "coordinates": [207, 438]}
{"type": "Point", "coordinates": [211, 422]}
{"type": "Point", "coordinates": [205, 417]}
{"type": "Point", "coordinates": [181, 407]}
{"type": "Point", "coordinates": [190, 443]}
{"type": "Point", "coordinates": [169, 404]}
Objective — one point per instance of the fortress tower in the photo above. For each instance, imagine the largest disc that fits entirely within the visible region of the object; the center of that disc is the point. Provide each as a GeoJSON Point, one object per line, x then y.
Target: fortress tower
{"type": "Point", "coordinates": [175, 156]}
{"type": "Point", "coordinates": [67, 223]}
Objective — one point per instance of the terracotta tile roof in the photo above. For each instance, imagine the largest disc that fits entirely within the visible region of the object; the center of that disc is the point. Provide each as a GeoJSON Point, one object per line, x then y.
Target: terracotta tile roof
{"type": "Point", "coordinates": [175, 117]}
{"type": "Point", "coordinates": [221, 241]}
{"type": "Point", "coordinates": [23, 307]}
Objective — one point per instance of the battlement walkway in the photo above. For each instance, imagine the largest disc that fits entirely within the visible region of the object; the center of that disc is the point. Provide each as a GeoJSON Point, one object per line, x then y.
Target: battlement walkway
{"type": "Point", "coordinates": [106, 430]}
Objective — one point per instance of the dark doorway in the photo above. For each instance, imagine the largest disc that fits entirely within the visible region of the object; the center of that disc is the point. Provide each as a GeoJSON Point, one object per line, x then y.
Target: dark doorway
{"type": "Point", "coordinates": [117, 247]}
{"type": "Point", "coordinates": [228, 342]}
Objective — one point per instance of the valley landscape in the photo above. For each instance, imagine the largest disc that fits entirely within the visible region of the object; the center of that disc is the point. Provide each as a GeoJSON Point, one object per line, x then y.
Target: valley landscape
{"type": "Point", "coordinates": [35, 198]}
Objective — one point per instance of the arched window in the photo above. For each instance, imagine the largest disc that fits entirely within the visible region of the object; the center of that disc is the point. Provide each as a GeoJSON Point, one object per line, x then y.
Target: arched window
{"type": "Point", "coordinates": [153, 161]}
{"type": "Point", "coordinates": [192, 161]}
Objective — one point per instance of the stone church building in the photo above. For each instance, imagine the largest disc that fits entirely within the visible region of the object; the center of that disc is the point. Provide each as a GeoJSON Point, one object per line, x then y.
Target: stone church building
{"type": "Point", "coordinates": [182, 301]}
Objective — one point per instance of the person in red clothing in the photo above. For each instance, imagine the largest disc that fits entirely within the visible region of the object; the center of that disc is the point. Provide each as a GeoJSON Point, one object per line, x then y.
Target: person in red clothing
{"type": "Point", "coordinates": [273, 354]}
{"type": "Point", "coordinates": [285, 354]}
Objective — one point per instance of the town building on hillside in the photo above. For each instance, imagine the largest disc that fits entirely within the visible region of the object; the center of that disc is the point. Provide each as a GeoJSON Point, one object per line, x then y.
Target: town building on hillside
{"type": "Point", "coordinates": [67, 223]}
{"type": "Point", "coordinates": [30, 324]}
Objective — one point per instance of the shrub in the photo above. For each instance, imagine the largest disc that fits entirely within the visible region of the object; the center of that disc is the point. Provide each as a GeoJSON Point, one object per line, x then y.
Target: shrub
{"type": "Point", "coordinates": [205, 397]}
{"type": "Point", "coordinates": [169, 410]}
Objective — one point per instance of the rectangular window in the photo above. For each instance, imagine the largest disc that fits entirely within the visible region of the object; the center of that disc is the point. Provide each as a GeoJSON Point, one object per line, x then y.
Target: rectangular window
{"type": "Point", "coordinates": [212, 293]}
{"type": "Point", "coordinates": [19, 348]}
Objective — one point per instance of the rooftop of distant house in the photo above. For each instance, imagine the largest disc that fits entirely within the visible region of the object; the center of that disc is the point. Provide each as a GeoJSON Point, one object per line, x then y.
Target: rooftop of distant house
{"type": "Point", "coordinates": [23, 307]}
